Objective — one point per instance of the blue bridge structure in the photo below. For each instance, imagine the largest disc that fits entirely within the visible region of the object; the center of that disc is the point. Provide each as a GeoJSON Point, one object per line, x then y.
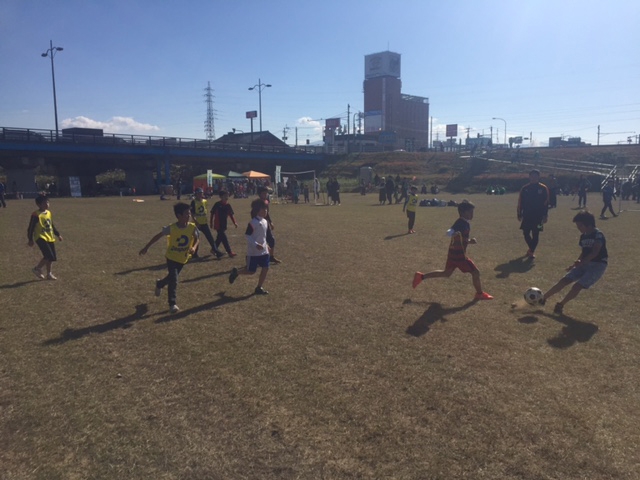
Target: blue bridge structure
{"type": "Point", "coordinates": [146, 160]}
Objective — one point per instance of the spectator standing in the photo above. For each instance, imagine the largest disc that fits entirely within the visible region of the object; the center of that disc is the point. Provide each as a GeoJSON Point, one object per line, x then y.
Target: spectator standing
{"type": "Point", "coordinates": [608, 194]}
{"type": "Point", "coordinates": [583, 187]}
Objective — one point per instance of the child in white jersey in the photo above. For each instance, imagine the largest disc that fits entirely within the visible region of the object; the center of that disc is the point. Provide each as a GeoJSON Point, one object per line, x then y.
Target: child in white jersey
{"type": "Point", "coordinates": [257, 247]}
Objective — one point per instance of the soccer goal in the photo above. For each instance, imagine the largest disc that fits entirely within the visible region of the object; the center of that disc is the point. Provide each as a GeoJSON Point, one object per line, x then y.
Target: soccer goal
{"type": "Point", "coordinates": [298, 187]}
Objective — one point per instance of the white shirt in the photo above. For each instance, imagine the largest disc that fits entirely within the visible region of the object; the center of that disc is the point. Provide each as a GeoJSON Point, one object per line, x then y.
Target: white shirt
{"type": "Point", "coordinates": [256, 234]}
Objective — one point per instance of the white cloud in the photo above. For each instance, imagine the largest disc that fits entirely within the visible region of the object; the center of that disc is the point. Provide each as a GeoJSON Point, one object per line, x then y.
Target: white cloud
{"type": "Point", "coordinates": [113, 125]}
{"type": "Point", "coordinates": [308, 122]}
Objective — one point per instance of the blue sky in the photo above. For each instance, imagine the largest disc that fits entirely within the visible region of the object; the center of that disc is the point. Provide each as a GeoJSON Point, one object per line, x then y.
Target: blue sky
{"type": "Point", "coordinates": [548, 68]}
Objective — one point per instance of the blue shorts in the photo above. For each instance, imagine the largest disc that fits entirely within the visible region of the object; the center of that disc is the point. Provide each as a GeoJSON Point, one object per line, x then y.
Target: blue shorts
{"type": "Point", "coordinates": [254, 262]}
{"type": "Point", "coordinates": [586, 275]}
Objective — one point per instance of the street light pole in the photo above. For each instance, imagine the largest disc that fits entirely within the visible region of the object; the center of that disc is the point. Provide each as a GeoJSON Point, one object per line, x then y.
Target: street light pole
{"type": "Point", "coordinates": [51, 52]}
{"type": "Point", "coordinates": [260, 86]}
{"type": "Point", "coordinates": [505, 127]}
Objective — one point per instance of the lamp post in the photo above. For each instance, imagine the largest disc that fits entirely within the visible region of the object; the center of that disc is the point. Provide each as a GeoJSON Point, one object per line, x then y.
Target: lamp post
{"type": "Point", "coordinates": [51, 52]}
{"type": "Point", "coordinates": [505, 127]}
{"type": "Point", "coordinates": [260, 86]}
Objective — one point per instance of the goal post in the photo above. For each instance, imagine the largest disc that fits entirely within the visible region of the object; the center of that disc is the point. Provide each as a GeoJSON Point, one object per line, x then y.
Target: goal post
{"type": "Point", "coordinates": [307, 177]}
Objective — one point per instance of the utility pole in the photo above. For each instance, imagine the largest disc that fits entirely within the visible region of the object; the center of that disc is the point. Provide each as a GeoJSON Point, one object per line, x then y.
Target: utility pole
{"type": "Point", "coordinates": [348, 117]}
{"type": "Point", "coordinates": [598, 134]}
{"type": "Point", "coordinates": [284, 133]}
{"type": "Point", "coordinates": [431, 132]}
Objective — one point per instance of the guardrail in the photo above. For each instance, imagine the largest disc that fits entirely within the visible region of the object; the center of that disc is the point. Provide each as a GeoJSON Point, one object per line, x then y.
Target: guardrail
{"type": "Point", "coordinates": [27, 135]}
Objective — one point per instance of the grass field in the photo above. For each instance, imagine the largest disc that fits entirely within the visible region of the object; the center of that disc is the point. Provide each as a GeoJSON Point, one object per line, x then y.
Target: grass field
{"type": "Point", "coordinates": [343, 371]}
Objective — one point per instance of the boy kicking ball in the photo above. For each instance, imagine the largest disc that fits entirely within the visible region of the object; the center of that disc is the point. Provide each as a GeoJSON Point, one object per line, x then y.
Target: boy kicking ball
{"type": "Point", "coordinates": [589, 267]}
{"type": "Point", "coordinates": [457, 255]}
{"type": "Point", "coordinates": [257, 247]}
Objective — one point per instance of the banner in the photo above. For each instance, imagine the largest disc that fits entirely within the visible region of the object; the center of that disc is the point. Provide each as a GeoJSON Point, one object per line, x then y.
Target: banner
{"type": "Point", "coordinates": [209, 178]}
{"type": "Point", "coordinates": [278, 172]}
{"type": "Point", "coordinates": [74, 185]}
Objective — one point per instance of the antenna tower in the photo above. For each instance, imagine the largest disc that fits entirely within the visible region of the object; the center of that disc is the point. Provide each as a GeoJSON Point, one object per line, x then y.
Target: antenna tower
{"type": "Point", "coordinates": [209, 128]}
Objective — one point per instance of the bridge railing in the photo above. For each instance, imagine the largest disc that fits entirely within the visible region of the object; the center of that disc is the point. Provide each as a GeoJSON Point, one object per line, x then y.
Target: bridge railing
{"type": "Point", "coordinates": [27, 135]}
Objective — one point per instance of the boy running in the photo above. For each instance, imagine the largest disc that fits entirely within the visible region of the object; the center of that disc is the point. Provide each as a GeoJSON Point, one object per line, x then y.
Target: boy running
{"type": "Point", "coordinates": [220, 212]}
{"type": "Point", "coordinates": [410, 206]}
{"type": "Point", "coordinates": [590, 265]}
{"type": "Point", "coordinates": [263, 193]}
{"type": "Point", "coordinates": [182, 243]}
{"type": "Point", "coordinates": [199, 212]}
{"type": "Point", "coordinates": [457, 255]}
{"type": "Point", "coordinates": [43, 232]}
{"type": "Point", "coordinates": [257, 247]}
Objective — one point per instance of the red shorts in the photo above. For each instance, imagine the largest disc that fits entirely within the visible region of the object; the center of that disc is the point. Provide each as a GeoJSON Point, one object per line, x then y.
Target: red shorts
{"type": "Point", "coordinates": [465, 266]}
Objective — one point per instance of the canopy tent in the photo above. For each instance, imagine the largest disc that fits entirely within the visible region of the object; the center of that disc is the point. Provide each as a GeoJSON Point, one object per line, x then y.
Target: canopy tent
{"type": "Point", "coordinates": [215, 176]}
{"type": "Point", "coordinates": [200, 181]}
{"type": "Point", "coordinates": [254, 174]}
{"type": "Point", "coordinates": [233, 174]}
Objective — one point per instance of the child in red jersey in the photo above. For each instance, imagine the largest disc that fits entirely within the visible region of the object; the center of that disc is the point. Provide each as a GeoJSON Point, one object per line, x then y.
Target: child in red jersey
{"type": "Point", "coordinates": [42, 231]}
{"type": "Point", "coordinates": [457, 255]}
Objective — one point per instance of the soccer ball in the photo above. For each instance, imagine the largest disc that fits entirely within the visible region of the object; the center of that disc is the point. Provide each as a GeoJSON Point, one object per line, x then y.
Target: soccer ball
{"type": "Point", "coordinates": [533, 296]}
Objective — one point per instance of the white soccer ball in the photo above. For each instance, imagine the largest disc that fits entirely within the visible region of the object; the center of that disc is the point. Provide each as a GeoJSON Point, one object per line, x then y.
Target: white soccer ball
{"type": "Point", "coordinates": [533, 296]}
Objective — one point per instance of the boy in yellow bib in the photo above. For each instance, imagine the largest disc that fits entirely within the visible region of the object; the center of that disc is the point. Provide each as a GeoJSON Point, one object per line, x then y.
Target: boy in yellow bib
{"type": "Point", "coordinates": [42, 231]}
{"type": "Point", "coordinates": [182, 242]}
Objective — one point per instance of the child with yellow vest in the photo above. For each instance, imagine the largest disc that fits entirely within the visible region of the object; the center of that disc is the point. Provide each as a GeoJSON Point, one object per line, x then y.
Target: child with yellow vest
{"type": "Point", "coordinates": [182, 242]}
{"type": "Point", "coordinates": [42, 231]}
{"type": "Point", "coordinates": [200, 217]}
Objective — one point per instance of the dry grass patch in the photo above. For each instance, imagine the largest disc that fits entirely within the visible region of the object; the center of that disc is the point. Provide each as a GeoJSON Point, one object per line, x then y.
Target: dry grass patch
{"type": "Point", "coordinates": [343, 371]}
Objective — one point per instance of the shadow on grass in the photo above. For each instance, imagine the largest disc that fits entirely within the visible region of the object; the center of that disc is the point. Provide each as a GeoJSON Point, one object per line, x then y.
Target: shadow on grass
{"type": "Point", "coordinates": [518, 265]}
{"type": "Point", "coordinates": [204, 277]}
{"type": "Point", "coordinates": [18, 284]}
{"type": "Point", "coordinates": [75, 334]}
{"type": "Point", "coordinates": [223, 300]}
{"type": "Point", "coordinates": [574, 331]}
{"type": "Point", "coordinates": [391, 237]}
{"type": "Point", "coordinates": [435, 313]}
{"type": "Point", "coordinates": [153, 268]}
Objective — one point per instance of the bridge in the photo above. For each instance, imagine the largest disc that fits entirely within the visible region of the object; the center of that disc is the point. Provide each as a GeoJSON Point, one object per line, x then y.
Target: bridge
{"type": "Point", "coordinates": [146, 160]}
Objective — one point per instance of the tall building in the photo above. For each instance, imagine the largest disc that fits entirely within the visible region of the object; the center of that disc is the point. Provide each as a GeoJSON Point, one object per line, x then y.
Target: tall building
{"type": "Point", "coordinates": [401, 121]}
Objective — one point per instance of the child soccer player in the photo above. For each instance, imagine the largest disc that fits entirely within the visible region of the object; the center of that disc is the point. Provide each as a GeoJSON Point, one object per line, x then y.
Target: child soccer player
{"type": "Point", "coordinates": [218, 220]}
{"type": "Point", "coordinates": [457, 256]}
{"type": "Point", "coordinates": [199, 212]}
{"type": "Point", "coordinates": [410, 206]}
{"type": "Point", "coordinates": [589, 267]}
{"type": "Point", "coordinates": [263, 193]}
{"type": "Point", "coordinates": [42, 231]}
{"type": "Point", "coordinates": [182, 243]}
{"type": "Point", "coordinates": [257, 247]}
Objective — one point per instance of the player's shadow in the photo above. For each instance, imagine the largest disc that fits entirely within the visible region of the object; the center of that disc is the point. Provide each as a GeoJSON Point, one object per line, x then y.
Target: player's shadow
{"type": "Point", "coordinates": [223, 300]}
{"type": "Point", "coordinates": [76, 333]}
{"type": "Point", "coordinates": [434, 313]}
{"type": "Point", "coordinates": [574, 331]}
{"type": "Point", "coordinates": [518, 265]}
{"type": "Point", "coordinates": [152, 268]}
{"type": "Point", "coordinates": [391, 237]}
{"type": "Point", "coordinates": [204, 277]}
{"type": "Point", "coordinates": [18, 284]}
